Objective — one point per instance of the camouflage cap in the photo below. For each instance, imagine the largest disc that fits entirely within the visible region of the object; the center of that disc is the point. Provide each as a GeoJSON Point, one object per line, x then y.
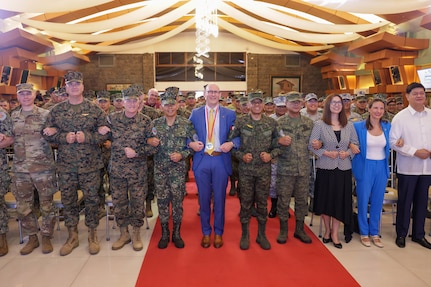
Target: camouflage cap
{"type": "Point", "coordinates": [399, 100]}
{"type": "Point", "coordinates": [73, 76]}
{"type": "Point", "coordinates": [89, 94]}
{"type": "Point", "coordinates": [268, 100]}
{"type": "Point", "coordinates": [130, 92]}
{"type": "Point", "coordinates": [380, 96]}
{"type": "Point", "coordinates": [191, 95]}
{"type": "Point", "coordinates": [280, 101]}
{"type": "Point", "coordinates": [243, 100]}
{"type": "Point", "coordinates": [181, 99]}
{"type": "Point", "coordinates": [168, 98]}
{"type": "Point", "coordinates": [293, 97]}
{"type": "Point", "coordinates": [255, 95]}
{"type": "Point", "coordinates": [117, 96]}
{"type": "Point", "coordinates": [391, 100]}
{"type": "Point", "coordinates": [172, 90]}
{"type": "Point", "coordinates": [138, 88]}
{"type": "Point", "coordinates": [24, 87]}
{"type": "Point", "coordinates": [310, 96]}
{"type": "Point", "coordinates": [361, 98]}
{"type": "Point", "coordinates": [346, 96]}
{"type": "Point", "coordinates": [103, 95]}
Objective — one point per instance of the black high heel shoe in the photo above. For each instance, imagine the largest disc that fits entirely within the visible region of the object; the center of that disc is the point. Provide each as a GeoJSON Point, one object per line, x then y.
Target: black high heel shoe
{"type": "Point", "coordinates": [338, 245]}
{"type": "Point", "coordinates": [326, 240]}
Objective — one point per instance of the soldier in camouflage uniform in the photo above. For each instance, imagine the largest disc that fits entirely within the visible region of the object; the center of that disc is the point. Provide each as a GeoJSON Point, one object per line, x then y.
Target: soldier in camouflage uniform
{"type": "Point", "coordinates": [6, 140]}
{"type": "Point", "coordinates": [293, 167]}
{"type": "Point", "coordinates": [79, 159]}
{"type": "Point", "coordinates": [153, 114]}
{"type": "Point", "coordinates": [129, 131]}
{"type": "Point", "coordinates": [259, 135]}
{"type": "Point", "coordinates": [33, 167]}
{"type": "Point", "coordinates": [171, 134]}
{"type": "Point", "coordinates": [104, 102]}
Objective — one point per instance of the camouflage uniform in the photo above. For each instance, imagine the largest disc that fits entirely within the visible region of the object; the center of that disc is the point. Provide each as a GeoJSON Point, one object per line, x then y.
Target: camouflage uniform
{"type": "Point", "coordinates": [153, 114]}
{"type": "Point", "coordinates": [294, 167]}
{"type": "Point", "coordinates": [6, 129]}
{"type": "Point", "coordinates": [171, 188]}
{"type": "Point", "coordinates": [33, 166]}
{"type": "Point", "coordinates": [78, 164]}
{"type": "Point", "coordinates": [254, 177]}
{"type": "Point", "coordinates": [128, 176]}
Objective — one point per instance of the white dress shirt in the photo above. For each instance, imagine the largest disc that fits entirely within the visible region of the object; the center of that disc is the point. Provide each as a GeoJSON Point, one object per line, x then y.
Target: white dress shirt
{"type": "Point", "coordinates": [415, 129]}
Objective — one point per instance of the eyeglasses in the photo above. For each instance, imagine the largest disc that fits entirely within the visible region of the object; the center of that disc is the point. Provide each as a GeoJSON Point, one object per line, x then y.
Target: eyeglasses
{"type": "Point", "coordinates": [336, 103]}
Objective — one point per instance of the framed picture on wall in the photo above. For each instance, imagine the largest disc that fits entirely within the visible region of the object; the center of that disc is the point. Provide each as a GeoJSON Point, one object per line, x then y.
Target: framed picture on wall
{"type": "Point", "coordinates": [341, 82]}
{"type": "Point", "coordinates": [395, 75]}
{"type": "Point", "coordinates": [377, 77]}
{"type": "Point", "coordinates": [117, 87]}
{"type": "Point", "coordinates": [284, 84]}
{"type": "Point", "coordinates": [6, 75]}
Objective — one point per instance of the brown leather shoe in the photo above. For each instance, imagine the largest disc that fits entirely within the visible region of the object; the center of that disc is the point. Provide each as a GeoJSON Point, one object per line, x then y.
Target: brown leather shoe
{"type": "Point", "coordinates": [218, 241]}
{"type": "Point", "coordinates": [206, 241]}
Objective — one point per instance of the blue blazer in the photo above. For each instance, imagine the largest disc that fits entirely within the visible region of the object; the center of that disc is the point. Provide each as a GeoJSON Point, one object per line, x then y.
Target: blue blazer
{"type": "Point", "coordinates": [227, 119]}
{"type": "Point", "coordinates": [358, 162]}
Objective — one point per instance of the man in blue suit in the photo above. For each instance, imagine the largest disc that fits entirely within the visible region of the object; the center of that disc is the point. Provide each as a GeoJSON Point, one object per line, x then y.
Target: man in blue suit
{"type": "Point", "coordinates": [212, 161]}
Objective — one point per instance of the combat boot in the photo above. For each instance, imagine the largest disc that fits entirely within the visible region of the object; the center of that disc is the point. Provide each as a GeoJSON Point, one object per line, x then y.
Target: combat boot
{"type": "Point", "coordinates": [273, 212]}
{"type": "Point", "coordinates": [232, 191]}
{"type": "Point", "coordinates": [300, 233]}
{"type": "Point", "coordinates": [3, 245]}
{"type": "Point", "coordinates": [72, 241]}
{"type": "Point", "coordinates": [33, 243]}
{"type": "Point", "coordinates": [282, 236]}
{"type": "Point", "coordinates": [46, 244]}
{"type": "Point", "coordinates": [136, 239]}
{"type": "Point", "coordinates": [244, 243]}
{"type": "Point", "coordinates": [261, 236]}
{"type": "Point", "coordinates": [93, 242]}
{"type": "Point", "coordinates": [163, 243]}
{"type": "Point", "coordinates": [176, 236]}
{"type": "Point", "coordinates": [148, 211]}
{"type": "Point", "coordinates": [123, 240]}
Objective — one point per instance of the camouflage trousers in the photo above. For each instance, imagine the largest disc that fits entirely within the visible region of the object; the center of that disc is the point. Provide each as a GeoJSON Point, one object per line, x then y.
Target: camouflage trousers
{"type": "Point", "coordinates": [150, 178]}
{"type": "Point", "coordinates": [273, 185]}
{"type": "Point", "coordinates": [288, 186]}
{"type": "Point", "coordinates": [4, 188]}
{"type": "Point", "coordinates": [89, 183]}
{"type": "Point", "coordinates": [254, 189]}
{"type": "Point", "coordinates": [128, 196]}
{"type": "Point", "coordinates": [23, 185]}
{"type": "Point", "coordinates": [170, 189]}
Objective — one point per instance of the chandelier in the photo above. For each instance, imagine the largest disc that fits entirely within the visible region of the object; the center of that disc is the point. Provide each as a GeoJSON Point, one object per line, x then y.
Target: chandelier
{"type": "Point", "coordinates": [206, 25]}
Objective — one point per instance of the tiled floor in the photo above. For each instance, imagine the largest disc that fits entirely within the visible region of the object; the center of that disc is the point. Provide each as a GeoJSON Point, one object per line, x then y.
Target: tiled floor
{"type": "Point", "coordinates": [389, 266]}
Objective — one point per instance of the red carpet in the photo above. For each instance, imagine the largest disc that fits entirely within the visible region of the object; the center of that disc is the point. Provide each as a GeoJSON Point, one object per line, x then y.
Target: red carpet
{"type": "Point", "coordinates": [290, 264]}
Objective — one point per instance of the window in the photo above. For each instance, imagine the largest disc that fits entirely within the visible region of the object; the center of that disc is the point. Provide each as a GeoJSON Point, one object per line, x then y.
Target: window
{"type": "Point", "coordinates": [223, 66]}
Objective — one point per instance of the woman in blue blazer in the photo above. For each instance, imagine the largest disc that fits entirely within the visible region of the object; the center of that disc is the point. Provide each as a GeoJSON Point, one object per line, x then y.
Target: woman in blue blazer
{"type": "Point", "coordinates": [370, 168]}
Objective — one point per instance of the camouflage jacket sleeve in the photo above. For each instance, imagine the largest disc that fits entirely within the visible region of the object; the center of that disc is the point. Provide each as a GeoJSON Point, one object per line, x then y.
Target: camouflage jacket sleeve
{"type": "Point", "coordinates": [5, 127]}
{"type": "Point", "coordinates": [275, 147]}
{"type": "Point", "coordinates": [235, 133]}
{"type": "Point", "coordinates": [146, 148]}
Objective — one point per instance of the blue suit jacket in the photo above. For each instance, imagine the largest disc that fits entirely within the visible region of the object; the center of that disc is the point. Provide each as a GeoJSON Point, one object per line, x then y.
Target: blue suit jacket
{"type": "Point", "coordinates": [358, 162]}
{"type": "Point", "coordinates": [227, 119]}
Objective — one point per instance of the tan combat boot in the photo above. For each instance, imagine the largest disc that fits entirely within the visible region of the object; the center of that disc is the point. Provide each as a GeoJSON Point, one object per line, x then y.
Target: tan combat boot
{"type": "Point", "coordinates": [136, 239]}
{"type": "Point", "coordinates": [123, 240]}
{"type": "Point", "coordinates": [72, 241]}
{"type": "Point", "coordinates": [32, 244]}
{"type": "Point", "coordinates": [46, 245]}
{"type": "Point", "coordinates": [93, 242]}
{"type": "Point", "coordinates": [148, 210]}
{"type": "Point", "coordinates": [3, 245]}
